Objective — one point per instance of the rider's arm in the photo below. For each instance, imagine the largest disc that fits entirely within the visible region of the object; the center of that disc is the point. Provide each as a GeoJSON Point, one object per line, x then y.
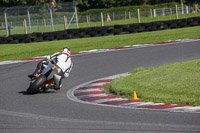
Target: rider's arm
{"type": "Point", "coordinates": [52, 58]}
{"type": "Point", "coordinates": [68, 70]}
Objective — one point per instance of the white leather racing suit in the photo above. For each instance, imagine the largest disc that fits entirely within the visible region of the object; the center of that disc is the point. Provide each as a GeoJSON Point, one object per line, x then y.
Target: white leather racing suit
{"type": "Point", "coordinates": [63, 66]}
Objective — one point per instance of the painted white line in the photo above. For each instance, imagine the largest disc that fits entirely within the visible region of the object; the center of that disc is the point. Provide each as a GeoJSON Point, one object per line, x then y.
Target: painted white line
{"type": "Point", "coordinates": [95, 84]}
{"type": "Point", "coordinates": [137, 104]}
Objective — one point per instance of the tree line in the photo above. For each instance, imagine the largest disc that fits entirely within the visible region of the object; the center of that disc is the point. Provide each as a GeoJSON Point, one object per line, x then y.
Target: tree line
{"type": "Point", "coordinates": [94, 4]}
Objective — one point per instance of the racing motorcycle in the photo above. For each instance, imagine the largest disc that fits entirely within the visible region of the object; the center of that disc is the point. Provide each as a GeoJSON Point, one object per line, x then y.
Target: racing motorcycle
{"type": "Point", "coordinates": [42, 83]}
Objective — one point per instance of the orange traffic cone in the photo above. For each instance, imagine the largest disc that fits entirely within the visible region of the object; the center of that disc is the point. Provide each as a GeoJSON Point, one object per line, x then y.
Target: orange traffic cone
{"type": "Point", "coordinates": [135, 96]}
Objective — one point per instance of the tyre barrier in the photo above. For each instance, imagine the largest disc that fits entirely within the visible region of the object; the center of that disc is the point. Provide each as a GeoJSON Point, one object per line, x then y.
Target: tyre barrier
{"type": "Point", "coordinates": [100, 31]}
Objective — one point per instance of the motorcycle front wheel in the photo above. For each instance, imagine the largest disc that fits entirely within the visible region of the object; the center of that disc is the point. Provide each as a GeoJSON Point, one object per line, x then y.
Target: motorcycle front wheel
{"type": "Point", "coordinates": [35, 86]}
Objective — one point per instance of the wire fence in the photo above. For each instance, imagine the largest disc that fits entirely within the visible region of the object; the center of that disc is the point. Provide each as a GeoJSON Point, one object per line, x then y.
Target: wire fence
{"type": "Point", "coordinates": [40, 18]}
{"type": "Point", "coordinates": [45, 18]}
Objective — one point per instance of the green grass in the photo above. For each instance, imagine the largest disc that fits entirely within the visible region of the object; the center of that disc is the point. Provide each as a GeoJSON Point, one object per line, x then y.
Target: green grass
{"type": "Point", "coordinates": [18, 51]}
{"type": "Point", "coordinates": [172, 83]}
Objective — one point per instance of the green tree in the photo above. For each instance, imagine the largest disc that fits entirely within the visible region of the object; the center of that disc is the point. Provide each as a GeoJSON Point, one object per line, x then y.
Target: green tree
{"type": "Point", "coordinates": [95, 4]}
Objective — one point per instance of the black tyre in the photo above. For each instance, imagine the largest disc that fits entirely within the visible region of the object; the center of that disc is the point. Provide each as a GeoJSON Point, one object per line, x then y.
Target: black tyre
{"type": "Point", "coordinates": [35, 86]}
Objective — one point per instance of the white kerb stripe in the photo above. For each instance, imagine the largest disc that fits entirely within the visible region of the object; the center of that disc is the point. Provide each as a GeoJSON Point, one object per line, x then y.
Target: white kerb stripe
{"type": "Point", "coordinates": [137, 104]}
{"type": "Point", "coordinates": [95, 84]}
{"type": "Point", "coordinates": [185, 109]}
{"type": "Point", "coordinates": [107, 100]}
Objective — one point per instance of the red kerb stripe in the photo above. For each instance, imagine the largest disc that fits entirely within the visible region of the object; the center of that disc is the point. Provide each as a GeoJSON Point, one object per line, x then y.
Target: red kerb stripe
{"type": "Point", "coordinates": [163, 106]}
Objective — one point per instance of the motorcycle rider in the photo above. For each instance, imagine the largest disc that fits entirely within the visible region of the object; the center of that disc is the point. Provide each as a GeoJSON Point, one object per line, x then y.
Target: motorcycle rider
{"type": "Point", "coordinates": [63, 63]}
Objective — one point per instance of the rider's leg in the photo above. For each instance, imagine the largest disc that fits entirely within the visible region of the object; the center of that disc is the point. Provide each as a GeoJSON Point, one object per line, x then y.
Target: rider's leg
{"type": "Point", "coordinates": [57, 81]}
{"type": "Point", "coordinates": [37, 70]}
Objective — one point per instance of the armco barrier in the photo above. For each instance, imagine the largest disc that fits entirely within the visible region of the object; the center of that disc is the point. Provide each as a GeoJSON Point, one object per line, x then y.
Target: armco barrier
{"type": "Point", "coordinates": [100, 31]}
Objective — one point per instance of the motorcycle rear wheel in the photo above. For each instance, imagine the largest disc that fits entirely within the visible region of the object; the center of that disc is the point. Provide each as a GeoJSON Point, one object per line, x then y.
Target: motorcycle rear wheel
{"type": "Point", "coordinates": [34, 87]}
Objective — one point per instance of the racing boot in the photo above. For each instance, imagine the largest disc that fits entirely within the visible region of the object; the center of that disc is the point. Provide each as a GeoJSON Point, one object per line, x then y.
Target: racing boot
{"type": "Point", "coordinates": [57, 87]}
{"type": "Point", "coordinates": [34, 74]}
{"type": "Point", "coordinates": [57, 82]}
{"type": "Point", "coordinates": [37, 70]}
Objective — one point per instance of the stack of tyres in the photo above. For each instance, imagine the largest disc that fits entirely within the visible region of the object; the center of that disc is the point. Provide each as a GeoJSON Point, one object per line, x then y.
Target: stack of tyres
{"type": "Point", "coordinates": [66, 35]}
{"type": "Point", "coordinates": [92, 33]}
{"type": "Point", "coordinates": [48, 36]}
{"type": "Point", "coordinates": [121, 29]}
{"type": "Point", "coordinates": [36, 37]}
{"type": "Point", "coordinates": [20, 38]}
{"type": "Point", "coordinates": [72, 33]}
{"type": "Point", "coordinates": [171, 24]}
{"type": "Point", "coordinates": [133, 28]}
{"type": "Point", "coordinates": [144, 27]}
{"type": "Point", "coordinates": [82, 33]}
{"type": "Point", "coordinates": [104, 30]}
{"type": "Point", "coordinates": [59, 35]}
{"type": "Point", "coordinates": [157, 25]}
{"type": "Point", "coordinates": [109, 30]}
{"type": "Point", "coordinates": [87, 32]}
{"type": "Point", "coordinates": [3, 40]}
{"type": "Point", "coordinates": [182, 23]}
{"type": "Point", "coordinates": [194, 21]}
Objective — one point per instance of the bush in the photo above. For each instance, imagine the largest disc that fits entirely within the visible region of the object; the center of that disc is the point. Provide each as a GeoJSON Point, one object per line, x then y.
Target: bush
{"type": "Point", "coordinates": [127, 8]}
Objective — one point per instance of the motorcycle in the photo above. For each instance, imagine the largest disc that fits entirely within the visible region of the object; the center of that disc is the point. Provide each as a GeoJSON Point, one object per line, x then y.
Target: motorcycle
{"type": "Point", "coordinates": [41, 83]}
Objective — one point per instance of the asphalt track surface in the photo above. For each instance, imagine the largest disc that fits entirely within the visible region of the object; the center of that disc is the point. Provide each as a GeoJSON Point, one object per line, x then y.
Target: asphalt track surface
{"type": "Point", "coordinates": [54, 112]}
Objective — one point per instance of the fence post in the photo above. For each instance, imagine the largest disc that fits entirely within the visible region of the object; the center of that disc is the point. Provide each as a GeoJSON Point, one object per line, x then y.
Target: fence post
{"type": "Point", "coordinates": [29, 19]}
{"type": "Point", "coordinates": [171, 11]}
{"type": "Point", "coordinates": [182, 6]}
{"type": "Point", "coordinates": [176, 12]}
{"type": "Point", "coordinates": [45, 24]}
{"type": "Point", "coordinates": [87, 18]}
{"type": "Point", "coordinates": [77, 26]}
{"type": "Point", "coordinates": [125, 15]}
{"type": "Point", "coordinates": [129, 14]}
{"type": "Point", "coordinates": [163, 11]}
{"type": "Point", "coordinates": [151, 12]}
{"type": "Point", "coordinates": [187, 9]}
{"type": "Point", "coordinates": [6, 21]}
{"type": "Point", "coordinates": [154, 12]}
{"type": "Point", "coordinates": [113, 16]}
{"type": "Point", "coordinates": [102, 23]}
{"type": "Point", "coordinates": [65, 22]}
{"type": "Point", "coordinates": [25, 26]}
{"type": "Point", "coordinates": [138, 15]}
{"type": "Point", "coordinates": [51, 19]}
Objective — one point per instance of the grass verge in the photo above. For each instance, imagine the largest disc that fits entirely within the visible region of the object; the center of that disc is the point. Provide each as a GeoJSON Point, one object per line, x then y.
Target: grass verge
{"type": "Point", "coordinates": [18, 51]}
{"type": "Point", "coordinates": [172, 83]}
